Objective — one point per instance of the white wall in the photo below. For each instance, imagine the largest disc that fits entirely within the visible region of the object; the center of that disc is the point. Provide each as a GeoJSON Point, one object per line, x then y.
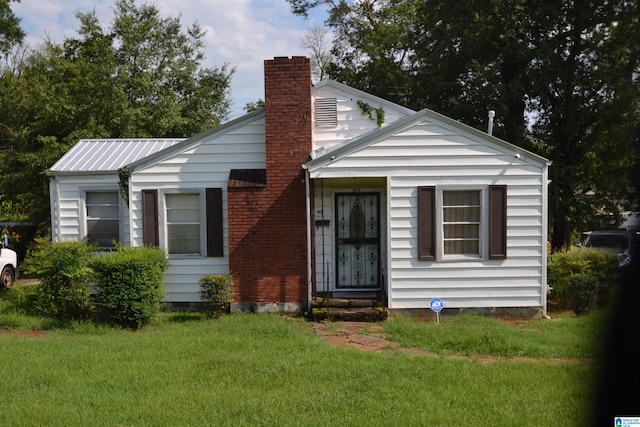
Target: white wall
{"type": "Point", "coordinates": [433, 154]}
{"type": "Point", "coordinates": [205, 164]}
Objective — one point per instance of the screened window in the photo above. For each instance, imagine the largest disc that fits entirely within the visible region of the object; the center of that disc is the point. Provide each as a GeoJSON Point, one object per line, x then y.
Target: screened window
{"type": "Point", "coordinates": [461, 212]}
{"type": "Point", "coordinates": [103, 218]}
{"type": "Point", "coordinates": [183, 223]}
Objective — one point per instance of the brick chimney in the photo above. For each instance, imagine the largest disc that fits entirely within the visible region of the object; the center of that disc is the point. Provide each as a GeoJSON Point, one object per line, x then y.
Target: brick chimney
{"type": "Point", "coordinates": [267, 212]}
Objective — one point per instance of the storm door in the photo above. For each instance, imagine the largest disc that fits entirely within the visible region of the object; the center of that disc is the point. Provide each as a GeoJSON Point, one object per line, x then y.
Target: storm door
{"type": "Point", "coordinates": [358, 240]}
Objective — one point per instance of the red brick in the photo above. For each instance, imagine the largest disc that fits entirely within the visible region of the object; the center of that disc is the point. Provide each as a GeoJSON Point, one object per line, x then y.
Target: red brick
{"type": "Point", "coordinates": [267, 228]}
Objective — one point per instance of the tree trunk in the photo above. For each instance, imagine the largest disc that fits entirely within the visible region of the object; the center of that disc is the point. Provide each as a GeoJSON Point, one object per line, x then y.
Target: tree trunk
{"type": "Point", "coordinates": [561, 236]}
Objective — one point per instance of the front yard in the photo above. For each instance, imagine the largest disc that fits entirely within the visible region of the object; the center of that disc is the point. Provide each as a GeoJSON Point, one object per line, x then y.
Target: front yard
{"type": "Point", "coordinates": [248, 369]}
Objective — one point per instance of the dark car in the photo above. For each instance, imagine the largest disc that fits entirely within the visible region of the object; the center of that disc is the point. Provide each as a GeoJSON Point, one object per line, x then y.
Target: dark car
{"type": "Point", "coordinates": [623, 243]}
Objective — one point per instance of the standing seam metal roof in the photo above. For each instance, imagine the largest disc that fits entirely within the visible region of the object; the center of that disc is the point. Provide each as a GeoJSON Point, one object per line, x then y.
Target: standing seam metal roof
{"type": "Point", "coordinates": [109, 155]}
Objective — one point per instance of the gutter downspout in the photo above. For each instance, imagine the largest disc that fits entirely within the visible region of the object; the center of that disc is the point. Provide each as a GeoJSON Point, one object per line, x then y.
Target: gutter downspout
{"type": "Point", "coordinates": [54, 202]}
{"type": "Point", "coordinates": [545, 233]}
{"type": "Point", "coordinates": [307, 180]}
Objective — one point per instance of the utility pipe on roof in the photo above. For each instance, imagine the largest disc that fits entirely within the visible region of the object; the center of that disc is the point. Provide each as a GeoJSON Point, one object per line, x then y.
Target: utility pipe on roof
{"type": "Point", "coordinates": [492, 114]}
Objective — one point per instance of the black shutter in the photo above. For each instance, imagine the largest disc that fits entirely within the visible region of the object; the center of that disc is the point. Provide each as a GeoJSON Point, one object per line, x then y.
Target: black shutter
{"type": "Point", "coordinates": [215, 237]}
{"type": "Point", "coordinates": [426, 223]}
{"type": "Point", "coordinates": [150, 218]}
{"type": "Point", "coordinates": [497, 221]}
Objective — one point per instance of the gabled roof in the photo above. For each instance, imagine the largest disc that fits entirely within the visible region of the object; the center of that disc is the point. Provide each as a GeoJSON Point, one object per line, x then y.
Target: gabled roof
{"type": "Point", "coordinates": [188, 143]}
{"type": "Point", "coordinates": [358, 94]}
{"type": "Point", "coordinates": [99, 156]}
{"type": "Point", "coordinates": [321, 158]}
{"type": "Point", "coordinates": [108, 155]}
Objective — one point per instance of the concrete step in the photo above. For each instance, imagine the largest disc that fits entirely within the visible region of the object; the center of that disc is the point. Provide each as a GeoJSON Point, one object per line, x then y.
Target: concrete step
{"type": "Point", "coordinates": [344, 302]}
{"type": "Point", "coordinates": [356, 314]}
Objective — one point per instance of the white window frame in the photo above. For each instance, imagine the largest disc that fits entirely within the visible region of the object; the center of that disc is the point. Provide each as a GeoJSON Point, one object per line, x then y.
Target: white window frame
{"type": "Point", "coordinates": [164, 228]}
{"type": "Point", "coordinates": [84, 216]}
{"type": "Point", "coordinates": [484, 224]}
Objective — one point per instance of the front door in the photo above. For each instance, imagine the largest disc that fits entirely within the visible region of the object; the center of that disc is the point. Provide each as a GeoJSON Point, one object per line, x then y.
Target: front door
{"type": "Point", "coordinates": [358, 240]}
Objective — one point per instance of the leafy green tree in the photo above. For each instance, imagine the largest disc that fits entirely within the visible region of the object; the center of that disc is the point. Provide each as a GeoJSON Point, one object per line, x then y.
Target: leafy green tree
{"type": "Point", "coordinates": [561, 76]}
{"type": "Point", "coordinates": [10, 32]}
{"type": "Point", "coordinates": [140, 77]}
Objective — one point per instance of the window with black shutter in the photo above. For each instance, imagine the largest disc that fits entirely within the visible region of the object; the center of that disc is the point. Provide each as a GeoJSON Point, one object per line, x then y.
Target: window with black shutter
{"type": "Point", "coordinates": [497, 221]}
{"type": "Point", "coordinates": [455, 223]}
{"type": "Point", "coordinates": [215, 238]}
{"type": "Point", "coordinates": [150, 235]}
{"type": "Point", "coordinates": [426, 223]}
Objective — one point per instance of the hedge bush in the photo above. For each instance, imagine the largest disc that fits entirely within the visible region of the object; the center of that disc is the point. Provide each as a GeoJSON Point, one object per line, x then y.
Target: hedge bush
{"type": "Point", "coordinates": [130, 284]}
{"type": "Point", "coordinates": [216, 294]}
{"type": "Point", "coordinates": [597, 273]}
{"type": "Point", "coordinates": [65, 279]}
{"type": "Point", "coordinates": [582, 293]}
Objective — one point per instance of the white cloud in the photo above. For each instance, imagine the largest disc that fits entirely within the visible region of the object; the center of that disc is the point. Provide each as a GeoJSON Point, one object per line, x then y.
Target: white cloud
{"type": "Point", "coordinates": [242, 33]}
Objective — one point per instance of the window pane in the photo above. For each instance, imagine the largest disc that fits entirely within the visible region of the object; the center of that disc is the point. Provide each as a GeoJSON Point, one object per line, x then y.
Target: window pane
{"type": "Point", "coordinates": [462, 214]}
{"type": "Point", "coordinates": [461, 231]}
{"type": "Point", "coordinates": [183, 215]}
{"type": "Point", "coordinates": [102, 211]}
{"type": "Point", "coordinates": [461, 198]}
{"type": "Point", "coordinates": [184, 239]}
{"type": "Point", "coordinates": [103, 232]}
{"type": "Point", "coordinates": [183, 200]}
{"type": "Point", "coordinates": [468, 247]}
{"type": "Point", "coordinates": [102, 198]}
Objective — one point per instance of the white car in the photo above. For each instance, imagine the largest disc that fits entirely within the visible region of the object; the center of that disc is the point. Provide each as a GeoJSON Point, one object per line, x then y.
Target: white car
{"type": "Point", "coordinates": [8, 263]}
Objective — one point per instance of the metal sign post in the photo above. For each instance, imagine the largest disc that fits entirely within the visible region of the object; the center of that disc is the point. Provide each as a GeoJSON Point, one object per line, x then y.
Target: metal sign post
{"type": "Point", "coordinates": [436, 305]}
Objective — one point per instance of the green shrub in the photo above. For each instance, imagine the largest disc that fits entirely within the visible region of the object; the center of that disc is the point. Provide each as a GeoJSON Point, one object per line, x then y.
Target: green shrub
{"type": "Point", "coordinates": [582, 293]}
{"type": "Point", "coordinates": [24, 299]}
{"type": "Point", "coordinates": [216, 293]}
{"type": "Point", "coordinates": [130, 284]}
{"type": "Point", "coordinates": [599, 266]}
{"type": "Point", "coordinates": [65, 279]}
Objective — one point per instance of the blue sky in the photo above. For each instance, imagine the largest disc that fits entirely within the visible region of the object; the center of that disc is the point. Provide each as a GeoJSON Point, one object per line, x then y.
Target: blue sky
{"type": "Point", "coordinates": [242, 33]}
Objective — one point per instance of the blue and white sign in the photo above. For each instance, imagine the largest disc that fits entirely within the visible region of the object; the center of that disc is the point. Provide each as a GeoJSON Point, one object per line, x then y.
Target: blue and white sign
{"type": "Point", "coordinates": [436, 305]}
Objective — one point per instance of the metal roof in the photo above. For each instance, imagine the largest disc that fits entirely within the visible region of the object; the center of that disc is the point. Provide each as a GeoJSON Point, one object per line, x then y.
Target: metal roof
{"type": "Point", "coordinates": [109, 155]}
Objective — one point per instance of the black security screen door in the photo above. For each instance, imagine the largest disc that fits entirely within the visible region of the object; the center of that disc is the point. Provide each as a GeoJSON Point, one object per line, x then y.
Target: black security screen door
{"type": "Point", "coordinates": [358, 240]}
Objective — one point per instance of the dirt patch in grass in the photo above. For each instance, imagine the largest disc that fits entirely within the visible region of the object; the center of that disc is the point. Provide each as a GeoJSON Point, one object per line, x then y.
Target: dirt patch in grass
{"type": "Point", "coordinates": [371, 337]}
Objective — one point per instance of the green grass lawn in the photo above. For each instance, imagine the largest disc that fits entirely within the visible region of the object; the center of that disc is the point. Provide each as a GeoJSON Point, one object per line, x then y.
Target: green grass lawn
{"type": "Point", "coordinates": [267, 370]}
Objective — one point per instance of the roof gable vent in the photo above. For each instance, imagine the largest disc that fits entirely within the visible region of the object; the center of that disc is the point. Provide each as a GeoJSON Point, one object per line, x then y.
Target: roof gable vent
{"type": "Point", "coordinates": [326, 112]}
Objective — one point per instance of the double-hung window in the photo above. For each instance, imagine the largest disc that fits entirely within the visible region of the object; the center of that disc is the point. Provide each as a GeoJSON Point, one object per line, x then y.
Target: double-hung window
{"type": "Point", "coordinates": [461, 214]}
{"type": "Point", "coordinates": [462, 223]}
{"type": "Point", "coordinates": [193, 221]}
{"type": "Point", "coordinates": [183, 223]}
{"type": "Point", "coordinates": [102, 218]}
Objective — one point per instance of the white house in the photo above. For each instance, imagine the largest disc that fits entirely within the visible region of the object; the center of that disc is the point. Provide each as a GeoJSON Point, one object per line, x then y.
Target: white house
{"type": "Point", "coordinates": [327, 190]}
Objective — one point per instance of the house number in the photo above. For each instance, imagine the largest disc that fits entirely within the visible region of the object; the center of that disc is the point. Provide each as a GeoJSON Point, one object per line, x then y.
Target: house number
{"type": "Point", "coordinates": [356, 189]}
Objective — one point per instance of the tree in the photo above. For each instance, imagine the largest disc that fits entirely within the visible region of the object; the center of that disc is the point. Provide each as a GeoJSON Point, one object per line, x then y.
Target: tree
{"type": "Point", "coordinates": [253, 106]}
{"type": "Point", "coordinates": [315, 40]}
{"type": "Point", "coordinates": [10, 32]}
{"type": "Point", "coordinates": [142, 77]}
{"type": "Point", "coordinates": [562, 78]}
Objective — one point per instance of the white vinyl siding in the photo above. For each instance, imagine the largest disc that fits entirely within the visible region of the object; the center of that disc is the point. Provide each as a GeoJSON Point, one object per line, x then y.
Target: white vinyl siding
{"type": "Point", "coordinates": [351, 122]}
{"type": "Point", "coordinates": [206, 163]}
{"type": "Point", "coordinates": [69, 210]}
{"type": "Point", "coordinates": [431, 153]}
